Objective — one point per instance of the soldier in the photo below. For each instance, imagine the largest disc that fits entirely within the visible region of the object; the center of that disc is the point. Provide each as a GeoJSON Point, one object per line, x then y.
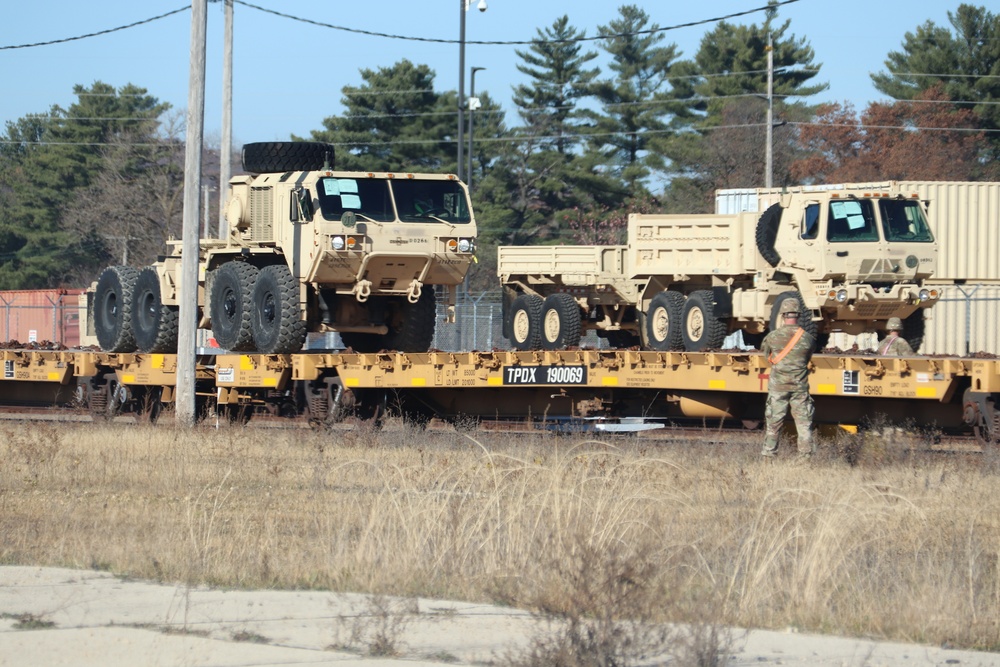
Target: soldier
{"type": "Point", "coordinates": [894, 345]}
{"type": "Point", "coordinates": [788, 349]}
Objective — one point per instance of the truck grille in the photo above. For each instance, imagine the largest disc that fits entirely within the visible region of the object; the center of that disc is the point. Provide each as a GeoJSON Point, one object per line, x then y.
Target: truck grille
{"type": "Point", "coordinates": [876, 311]}
{"type": "Point", "coordinates": [261, 208]}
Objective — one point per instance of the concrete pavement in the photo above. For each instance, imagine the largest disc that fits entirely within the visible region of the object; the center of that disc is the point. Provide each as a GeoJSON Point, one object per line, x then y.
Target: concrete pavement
{"type": "Point", "coordinates": [83, 618]}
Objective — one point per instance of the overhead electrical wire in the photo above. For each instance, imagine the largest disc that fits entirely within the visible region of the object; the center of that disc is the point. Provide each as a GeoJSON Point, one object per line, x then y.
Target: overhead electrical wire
{"type": "Point", "coordinates": [649, 31]}
{"type": "Point", "coordinates": [95, 34]}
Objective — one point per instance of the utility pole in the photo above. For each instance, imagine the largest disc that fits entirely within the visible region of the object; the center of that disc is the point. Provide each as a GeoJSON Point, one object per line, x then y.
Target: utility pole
{"type": "Point", "coordinates": [769, 159]}
{"type": "Point", "coordinates": [226, 145]}
{"type": "Point", "coordinates": [194, 137]}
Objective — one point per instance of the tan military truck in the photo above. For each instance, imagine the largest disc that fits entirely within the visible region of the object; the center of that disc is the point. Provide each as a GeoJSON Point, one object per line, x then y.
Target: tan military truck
{"type": "Point", "coordinates": [850, 260]}
{"type": "Point", "coordinates": [309, 249]}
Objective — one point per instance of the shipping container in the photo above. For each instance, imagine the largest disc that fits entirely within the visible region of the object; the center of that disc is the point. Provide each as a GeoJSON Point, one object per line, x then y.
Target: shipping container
{"type": "Point", "coordinates": [34, 316]}
{"type": "Point", "coordinates": [965, 217]}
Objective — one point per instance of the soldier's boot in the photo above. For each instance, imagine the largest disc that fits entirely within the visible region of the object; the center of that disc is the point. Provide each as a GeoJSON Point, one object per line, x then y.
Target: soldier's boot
{"type": "Point", "coordinates": [770, 449]}
{"type": "Point", "coordinates": [807, 447]}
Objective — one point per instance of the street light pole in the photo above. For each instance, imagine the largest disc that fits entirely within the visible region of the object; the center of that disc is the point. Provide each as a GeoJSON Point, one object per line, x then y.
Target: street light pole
{"type": "Point", "coordinates": [463, 7]}
{"type": "Point", "coordinates": [472, 108]}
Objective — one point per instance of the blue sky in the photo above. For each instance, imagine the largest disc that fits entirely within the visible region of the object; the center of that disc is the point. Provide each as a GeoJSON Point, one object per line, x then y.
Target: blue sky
{"type": "Point", "coordinates": [288, 74]}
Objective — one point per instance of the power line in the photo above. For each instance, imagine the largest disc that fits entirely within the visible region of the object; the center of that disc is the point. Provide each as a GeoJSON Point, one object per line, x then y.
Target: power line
{"type": "Point", "coordinates": [95, 34]}
{"type": "Point", "coordinates": [649, 31]}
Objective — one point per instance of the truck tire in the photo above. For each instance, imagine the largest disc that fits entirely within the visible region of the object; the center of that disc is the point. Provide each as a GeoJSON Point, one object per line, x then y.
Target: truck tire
{"type": "Point", "coordinates": [526, 322]}
{"type": "Point", "coordinates": [767, 233]}
{"type": "Point", "coordinates": [701, 329]}
{"type": "Point", "coordinates": [264, 157]}
{"type": "Point", "coordinates": [913, 329]}
{"type": "Point", "coordinates": [153, 324]}
{"type": "Point", "coordinates": [276, 319]}
{"type": "Point", "coordinates": [663, 322]}
{"type": "Point", "coordinates": [411, 325]}
{"type": "Point", "coordinates": [113, 309]}
{"type": "Point", "coordinates": [560, 322]}
{"type": "Point", "coordinates": [232, 304]}
{"type": "Point", "coordinates": [805, 315]}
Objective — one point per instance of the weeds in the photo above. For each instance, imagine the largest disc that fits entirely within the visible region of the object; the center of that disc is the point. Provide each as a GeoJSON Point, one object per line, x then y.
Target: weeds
{"type": "Point", "coordinates": [29, 621]}
{"type": "Point", "coordinates": [608, 542]}
{"type": "Point", "coordinates": [377, 631]}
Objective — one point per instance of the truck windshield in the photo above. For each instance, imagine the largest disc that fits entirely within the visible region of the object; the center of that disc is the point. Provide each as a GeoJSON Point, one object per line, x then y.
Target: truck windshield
{"type": "Point", "coordinates": [366, 196]}
{"type": "Point", "coordinates": [903, 220]}
{"type": "Point", "coordinates": [431, 201]}
{"type": "Point", "coordinates": [851, 220]}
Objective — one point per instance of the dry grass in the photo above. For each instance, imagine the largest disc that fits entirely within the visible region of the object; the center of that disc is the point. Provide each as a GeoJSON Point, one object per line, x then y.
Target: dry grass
{"type": "Point", "coordinates": [900, 544]}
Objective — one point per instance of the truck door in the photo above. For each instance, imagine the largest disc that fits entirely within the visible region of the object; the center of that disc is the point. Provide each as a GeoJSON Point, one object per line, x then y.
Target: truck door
{"type": "Point", "coordinates": [910, 243]}
{"type": "Point", "coordinates": [854, 251]}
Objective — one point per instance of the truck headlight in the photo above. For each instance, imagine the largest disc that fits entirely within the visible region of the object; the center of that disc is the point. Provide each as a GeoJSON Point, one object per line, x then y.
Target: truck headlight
{"type": "Point", "coordinates": [338, 242]}
{"type": "Point", "coordinates": [928, 294]}
{"type": "Point", "coordinates": [842, 296]}
{"type": "Point", "coordinates": [465, 245]}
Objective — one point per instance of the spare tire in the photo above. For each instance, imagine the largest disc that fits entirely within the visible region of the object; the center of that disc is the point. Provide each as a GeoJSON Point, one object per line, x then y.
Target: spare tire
{"type": "Point", "coordinates": [767, 234]}
{"type": "Point", "coordinates": [265, 157]}
{"type": "Point", "coordinates": [113, 309]}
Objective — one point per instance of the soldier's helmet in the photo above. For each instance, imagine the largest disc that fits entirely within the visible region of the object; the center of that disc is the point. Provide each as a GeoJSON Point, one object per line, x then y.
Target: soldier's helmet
{"type": "Point", "coordinates": [894, 324]}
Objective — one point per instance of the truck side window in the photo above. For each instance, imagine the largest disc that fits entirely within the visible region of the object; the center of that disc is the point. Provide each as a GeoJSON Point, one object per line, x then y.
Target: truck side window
{"type": "Point", "coordinates": [810, 223]}
{"type": "Point", "coordinates": [851, 220]}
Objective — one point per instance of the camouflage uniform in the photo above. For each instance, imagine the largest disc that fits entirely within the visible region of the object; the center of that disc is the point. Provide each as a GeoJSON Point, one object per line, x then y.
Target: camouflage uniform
{"type": "Point", "coordinates": [894, 346]}
{"type": "Point", "coordinates": [788, 386]}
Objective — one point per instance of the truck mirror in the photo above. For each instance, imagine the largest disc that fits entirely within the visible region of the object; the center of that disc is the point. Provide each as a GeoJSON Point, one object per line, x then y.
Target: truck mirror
{"type": "Point", "coordinates": [305, 205]}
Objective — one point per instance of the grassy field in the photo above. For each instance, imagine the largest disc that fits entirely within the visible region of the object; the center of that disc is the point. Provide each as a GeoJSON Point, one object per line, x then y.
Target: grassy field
{"type": "Point", "coordinates": [874, 539]}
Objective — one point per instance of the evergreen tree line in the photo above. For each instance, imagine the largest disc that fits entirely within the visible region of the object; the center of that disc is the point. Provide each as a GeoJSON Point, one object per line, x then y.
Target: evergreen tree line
{"type": "Point", "coordinates": [100, 182]}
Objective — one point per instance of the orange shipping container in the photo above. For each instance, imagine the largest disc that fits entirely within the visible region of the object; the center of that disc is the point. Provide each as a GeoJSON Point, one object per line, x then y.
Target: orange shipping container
{"type": "Point", "coordinates": [41, 315]}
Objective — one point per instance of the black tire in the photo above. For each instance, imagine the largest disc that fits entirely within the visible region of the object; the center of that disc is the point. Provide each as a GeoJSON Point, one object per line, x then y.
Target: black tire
{"type": "Point", "coordinates": [701, 330]}
{"type": "Point", "coordinates": [525, 324]}
{"type": "Point", "coordinates": [232, 305]}
{"type": "Point", "coordinates": [914, 327]}
{"type": "Point", "coordinates": [266, 157]}
{"type": "Point", "coordinates": [411, 325]}
{"type": "Point", "coordinates": [560, 322]}
{"type": "Point", "coordinates": [805, 315]}
{"type": "Point", "coordinates": [663, 322]}
{"type": "Point", "coordinates": [153, 324]}
{"type": "Point", "coordinates": [113, 309]}
{"type": "Point", "coordinates": [276, 318]}
{"type": "Point", "coordinates": [767, 234]}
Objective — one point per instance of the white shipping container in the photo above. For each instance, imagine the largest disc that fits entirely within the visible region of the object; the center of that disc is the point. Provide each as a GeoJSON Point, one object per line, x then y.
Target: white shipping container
{"type": "Point", "coordinates": [965, 217]}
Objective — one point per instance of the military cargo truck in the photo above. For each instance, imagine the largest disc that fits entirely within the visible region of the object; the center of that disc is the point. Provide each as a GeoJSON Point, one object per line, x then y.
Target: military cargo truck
{"type": "Point", "coordinates": [848, 261]}
{"type": "Point", "coordinates": [309, 249]}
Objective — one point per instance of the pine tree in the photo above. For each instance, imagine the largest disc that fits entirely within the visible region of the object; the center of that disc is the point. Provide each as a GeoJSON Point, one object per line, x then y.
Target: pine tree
{"type": "Point", "coordinates": [51, 159]}
{"type": "Point", "coordinates": [635, 102]}
{"type": "Point", "coordinates": [559, 79]}
{"type": "Point", "coordinates": [963, 63]}
{"type": "Point", "coordinates": [395, 121]}
{"type": "Point", "coordinates": [724, 88]}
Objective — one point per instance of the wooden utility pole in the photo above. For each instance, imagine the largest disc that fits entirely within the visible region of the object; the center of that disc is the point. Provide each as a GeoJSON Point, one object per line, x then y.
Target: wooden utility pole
{"type": "Point", "coordinates": [226, 146]}
{"type": "Point", "coordinates": [193, 139]}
